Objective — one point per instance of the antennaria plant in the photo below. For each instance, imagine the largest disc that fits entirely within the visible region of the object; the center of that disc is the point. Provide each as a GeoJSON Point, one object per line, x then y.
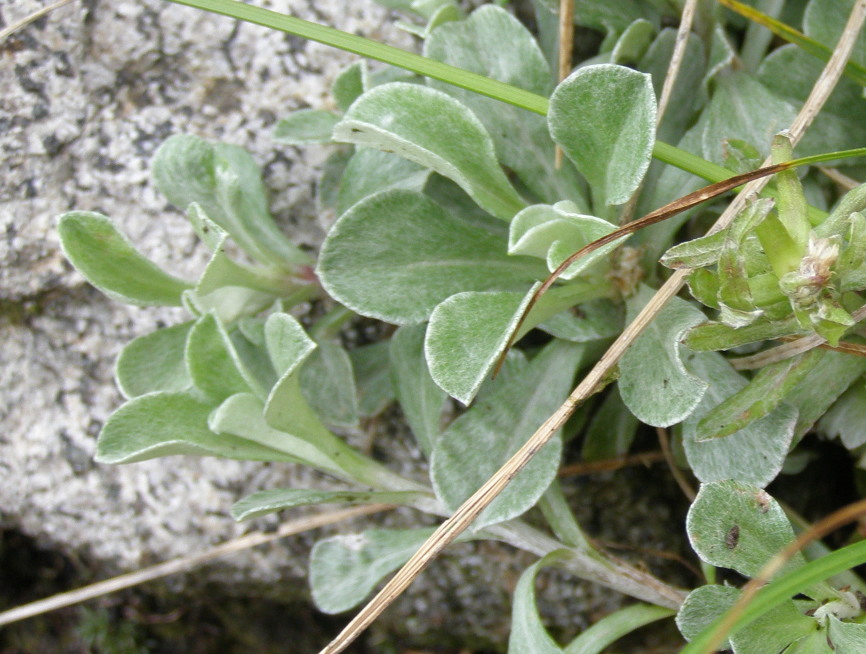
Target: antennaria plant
{"type": "Point", "coordinates": [452, 210]}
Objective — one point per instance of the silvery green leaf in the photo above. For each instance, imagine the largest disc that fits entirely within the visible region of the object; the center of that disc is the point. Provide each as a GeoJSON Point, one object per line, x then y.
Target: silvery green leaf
{"type": "Point", "coordinates": [699, 252]}
{"type": "Point", "coordinates": [611, 431]}
{"type": "Point", "coordinates": [466, 335]}
{"type": "Point", "coordinates": [633, 43]}
{"type": "Point", "coordinates": [702, 606]}
{"type": "Point", "coordinates": [154, 362]}
{"type": "Point", "coordinates": [743, 108]}
{"type": "Point", "coordinates": [739, 526]}
{"type": "Point", "coordinates": [277, 499]}
{"type": "Point", "coordinates": [721, 57]}
{"type": "Point", "coordinates": [477, 444]}
{"type": "Point", "coordinates": [764, 392]}
{"type": "Point", "coordinates": [345, 569]}
{"type": "Point", "coordinates": [591, 321]}
{"type": "Point", "coordinates": [328, 385]}
{"type": "Point", "coordinates": [790, 74]}
{"type": "Point", "coordinates": [242, 416]}
{"type": "Point", "coordinates": [684, 101]}
{"type": "Point", "coordinates": [601, 635]}
{"type": "Point", "coordinates": [603, 117]}
{"type": "Point", "coordinates": [349, 85]}
{"type": "Point", "coordinates": [213, 363]}
{"type": "Point", "coordinates": [845, 419]}
{"type": "Point", "coordinates": [718, 336]}
{"type": "Point", "coordinates": [372, 367]}
{"type": "Point", "coordinates": [521, 139]}
{"type": "Point", "coordinates": [328, 186]}
{"type": "Point", "coordinates": [847, 637]}
{"type": "Point", "coordinates": [306, 127]}
{"type": "Point", "coordinates": [556, 232]}
{"type": "Point", "coordinates": [528, 633]}
{"type": "Point", "coordinates": [606, 16]}
{"type": "Point", "coordinates": [287, 343]}
{"type": "Point", "coordinates": [208, 232]}
{"type": "Point", "coordinates": [226, 182]}
{"type": "Point", "coordinates": [753, 455]}
{"type": "Point", "coordinates": [831, 376]}
{"type": "Point", "coordinates": [413, 255]}
{"type": "Point", "coordinates": [165, 424]}
{"type": "Point", "coordinates": [455, 201]}
{"type": "Point", "coordinates": [825, 21]}
{"type": "Point", "coordinates": [436, 131]}
{"type": "Point", "coordinates": [370, 171]}
{"type": "Point", "coordinates": [228, 303]}
{"type": "Point", "coordinates": [420, 398]}
{"type": "Point", "coordinates": [253, 355]}
{"type": "Point", "coordinates": [107, 259]}
{"type": "Point", "coordinates": [772, 632]}
{"type": "Point", "coordinates": [654, 382]}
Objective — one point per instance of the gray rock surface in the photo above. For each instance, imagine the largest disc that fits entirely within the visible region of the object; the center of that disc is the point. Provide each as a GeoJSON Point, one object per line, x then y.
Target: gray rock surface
{"type": "Point", "coordinates": [86, 96]}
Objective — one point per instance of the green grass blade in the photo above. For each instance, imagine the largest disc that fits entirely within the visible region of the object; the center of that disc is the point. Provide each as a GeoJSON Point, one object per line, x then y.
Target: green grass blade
{"type": "Point", "coordinates": [373, 50]}
{"type": "Point", "coordinates": [783, 589]}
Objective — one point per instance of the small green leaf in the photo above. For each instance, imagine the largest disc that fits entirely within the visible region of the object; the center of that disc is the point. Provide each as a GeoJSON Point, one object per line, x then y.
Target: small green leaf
{"type": "Point", "coordinates": [603, 117]}
{"type": "Point", "coordinates": [370, 171]}
{"type": "Point", "coordinates": [846, 417]}
{"type": "Point", "coordinates": [372, 367]}
{"type": "Point", "coordinates": [227, 184]}
{"type": "Point", "coordinates": [521, 139]}
{"type": "Point", "coordinates": [213, 363]}
{"type": "Point", "coordinates": [739, 526]}
{"type": "Point", "coordinates": [328, 385]}
{"type": "Point", "coordinates": [287, 343]}
{"type": "Point", "coordinates": [349, 85]}
{"type": "Point", "coordinates": [528, 633]}
{"type": "Point", "coordinates": [432, 129]}
{"type": "Point", "coordinates": [611, 431]}
{"type": "Point", "coordinates": [345, 569]}
{"type": "Point", "coordinates": [154, 362]}
{"type": "Point", "coordinates": [699, 252]}
{"type": "Point", "coordinates": [413, 255]}
{"type": "Point", "coordinates": [477, 444]}
{"type": "Point", "coordinates": [703, 605]}
{"type": "Point", "coordinates": [466, 335]}
{"type": "Point", "coordinates": [654, 382]}
{"type": "Point", "coordinates": [556, 232]}
{"type": "Point", "coordinates": [718, 336]}
{"type": "Point", "coordinates": [166, 424]}
{"type": "Point", "coordinates": [277, 499]}
{"type": "Point", "coordinates": [597, 638]}
{"type": "Point", "coordinates": [242, 416]}
{"type": "Point", "coordinates": [111, 263]}
{"type": "Point", "coordinates": [754, 454]}
{"type": "Point", "coordinates": [306, 127]}
{"type": "Point", "coordinates": [420, 398]}
{"type": "Point", "coordinates": [763, 394]}
{"type": "Point", "coordinates": [847, 637]}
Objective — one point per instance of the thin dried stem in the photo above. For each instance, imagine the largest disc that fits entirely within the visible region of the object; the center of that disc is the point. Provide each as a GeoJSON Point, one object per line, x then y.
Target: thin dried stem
{"type": "Point", "coordinates": [566, 47]}
{"type": "Point", "coordinates": [847, 183]}
{"type": "Point", "coordinates": [682, 39]}
{"type": "Point", "coordinates": [645, 459]}
{"type": "Point", "coordinates": [676, 473]}
{"type": "Point", "coordinates": [183, 564]}
{"type": "Point", "coordinates": [36, 15]}
{"type": "Point", "coordinates": [471, 508]}
{"type": "Point", "coordinates": [798, 346]}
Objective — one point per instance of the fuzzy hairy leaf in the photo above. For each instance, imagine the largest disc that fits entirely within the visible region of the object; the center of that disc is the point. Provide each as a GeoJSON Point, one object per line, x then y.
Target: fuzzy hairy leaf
{"type": "Point", "coordinates": [482, 439]}
{"type": "Point", "coordinates": [527, 631]}
{"type": "Point", "coordinates": [213, 363]}
{"type": "Point", "coordinates": [154, 362]}
{"type": "Point", "coordinates": [846, 417]}
{"type": "Point", "coordinates": [370, 171]}
{"type": "Point", "coordinates": [603, 117]}
{"type": "Point", "coordinates": [372, 367]}
{"type": "Point", "coordinates": [754, 454]}
{"type": "Point", "coordinates": [654, 382]}
{"type": "Point", "coordinates": [328, 385]}
{"type": "Point", "coordinates": [420, 398]}
{"type": "Point", "coordinates": [305, 127]}
{"type": "Point", "coordinates": [521, 139]}
{"type": "Point", "coordinates": [277, 499]}
{"type": "Point", "coordinates": [165, 424]}
{"type": "Point", "coordinates": [413, 255]}
{"type": "Point", "coordinates": [107, 259]}
{"type": "Point", "coordinates": [739, 526]}
{"type": "Point", "coordinates": [226, 182]}
{"type": "Point", "coordinates": [436, 131]}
